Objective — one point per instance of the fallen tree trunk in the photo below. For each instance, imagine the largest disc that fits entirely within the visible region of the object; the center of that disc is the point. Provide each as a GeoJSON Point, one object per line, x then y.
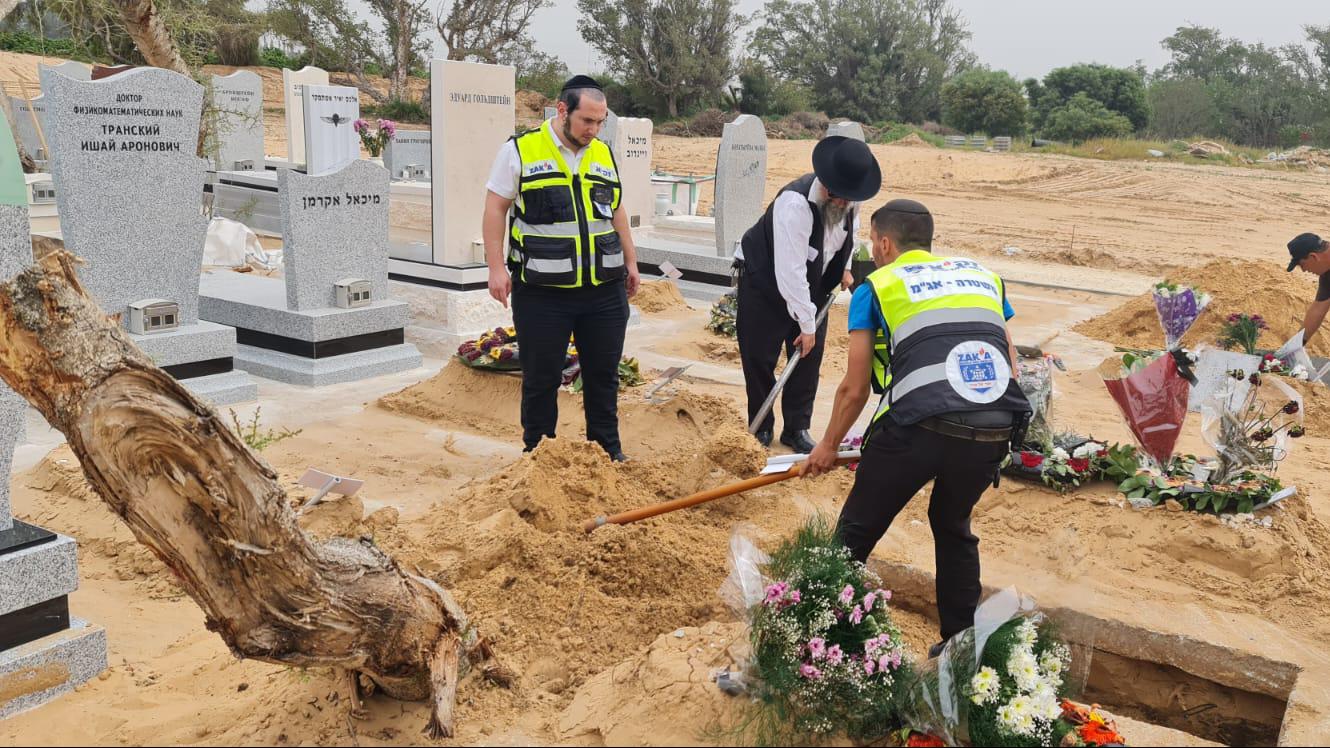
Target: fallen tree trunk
{"type": "Point", "coordinates": [214, 512]}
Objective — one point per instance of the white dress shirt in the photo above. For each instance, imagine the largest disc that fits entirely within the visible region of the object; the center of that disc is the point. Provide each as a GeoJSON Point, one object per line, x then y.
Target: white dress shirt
{"type": "Point", "coordinates": [505, 174]}
{"type": "Point", "coordinates": [792, 219]}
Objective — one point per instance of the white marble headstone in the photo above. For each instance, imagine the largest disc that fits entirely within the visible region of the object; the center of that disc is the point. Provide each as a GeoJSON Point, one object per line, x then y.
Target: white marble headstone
{"type": "Point", "coordinates": [411, 148]}
{"type": "Point", "coordinates": [846, 129]}
{"type": "Point", "coordinates": [472, 118]}
{"type": "Point", "coordinates": [632, 155]}
{"type": "Point", "coordinates": [70, 69]}
{"type": "Point", "coordinates": [238, 101]}
{"type": "Point", "coordinates": [741, 180]}
{"type": "Point", "coordinates": [15, 254]}
{"type": "Point", "coordinates": [293, 82]}
{"type": "Point", "coordinates": [331, 141]}
{"type": "Point", "coordinates": [334, 226]}
{"type": "Point", "coordinates": [29, 119]}
{"type": "Point", "coordinates": [129, 184]}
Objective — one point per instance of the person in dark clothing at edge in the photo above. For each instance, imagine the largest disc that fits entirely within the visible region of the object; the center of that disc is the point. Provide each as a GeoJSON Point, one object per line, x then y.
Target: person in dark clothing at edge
{"type": "Point", "coordinates": [789, 264]}
{"type": "Point", "coordinates": [570, 263]}
{"type": "Point", "coordinates": [950, 407]}
{"type": "Point", "coordinates": [1311, 254]}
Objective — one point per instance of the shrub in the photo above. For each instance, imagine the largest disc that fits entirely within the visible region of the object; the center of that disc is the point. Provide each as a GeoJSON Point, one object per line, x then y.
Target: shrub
{"type": "Point", "coordinates": [988, 101]}
{"type": "Point", "coordinates": [275, 58]}
{"type": "Point", "coordinates": [1082, 118]}
{"type": "Point", "coordinates": [399, 111]}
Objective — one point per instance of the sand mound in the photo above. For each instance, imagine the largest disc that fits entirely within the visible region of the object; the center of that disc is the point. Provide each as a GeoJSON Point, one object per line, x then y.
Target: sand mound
{"type": "Point", "coordinates": [913, 141]}
{"type": "Point", "coordinates": [659, 296]}
{"type": "Point", "coordinates": [1237, 286]}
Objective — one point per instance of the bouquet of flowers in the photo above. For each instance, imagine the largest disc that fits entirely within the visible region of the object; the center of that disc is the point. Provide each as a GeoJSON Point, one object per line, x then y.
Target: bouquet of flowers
{"type": "Point", "coordinates": [1242, 330]}
{"type": "Point", "coordinates": [1250, 432]}
{"type": "Point", "coordinates": [723, 314]}
{"type": "Point", "coordinates": [495, 349]}
{"type": "Point", "coordinates": [826, 655]}
{"type": "Point", "coordinates": [1000, 683]}
{"type": "Point", "coordinates": [1081, 463]}
{"type": "Point", "coordinates": [1272, 364]}
{"type": "Point", "coordinates": [375, 139]}
{"type": "Point", "coordinates": [1035, 377]}
{"type": "Point", "coordinates": [1151, 393]}
{"type": "Point", "coordinates": [1178, 308]}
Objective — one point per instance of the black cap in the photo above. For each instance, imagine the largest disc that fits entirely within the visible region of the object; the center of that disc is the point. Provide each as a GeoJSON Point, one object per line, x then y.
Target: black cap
{"type": "Point", "coordinates": [581, 81]}
{"type": "Point", "coordinates": [1301, 246]}
{"type": "Point", "coordinates": [901, 205]}
{"type": "Point", "coordinates": [847, 168]}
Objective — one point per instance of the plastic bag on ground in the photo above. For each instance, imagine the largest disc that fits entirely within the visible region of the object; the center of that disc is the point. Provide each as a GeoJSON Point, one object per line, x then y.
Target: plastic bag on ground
{"type": "Point", "coordinates": [229, 243]}
{"type": "Point", "coordinates": [746, 584]}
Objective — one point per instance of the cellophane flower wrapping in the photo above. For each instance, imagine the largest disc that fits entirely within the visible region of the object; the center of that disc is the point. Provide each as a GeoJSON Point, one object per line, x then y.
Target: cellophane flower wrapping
{"type": "Point", "coordinates": [1178, 308]}
{"type": "Point", "coordinates": [1249, 422]}
{"type": "Point", "coordinates": [1153, 403]}
{"type": "Point", "coordinates": [1000, 682]}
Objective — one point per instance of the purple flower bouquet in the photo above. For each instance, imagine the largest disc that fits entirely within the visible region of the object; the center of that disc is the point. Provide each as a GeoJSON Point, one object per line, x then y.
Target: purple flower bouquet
{"type": "Point", "coordinates": [1178, 308]}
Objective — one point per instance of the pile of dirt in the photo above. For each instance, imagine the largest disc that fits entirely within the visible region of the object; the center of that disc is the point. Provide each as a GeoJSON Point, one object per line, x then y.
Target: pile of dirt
{"type": "Point", "coordinates": [1236, 286]}
{"type": "Point", "coordinates": [531, 108]}
{"type": "Point", "coordinates": [912, 141]}
{"type": "Point", "coordinates": [1206, 148]}
{"type": "Point", "coordinates": [654, 297]}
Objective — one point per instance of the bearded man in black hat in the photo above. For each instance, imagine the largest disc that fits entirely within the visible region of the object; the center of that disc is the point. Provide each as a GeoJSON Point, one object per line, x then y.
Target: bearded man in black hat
{"type": "Point", "coordinates": [789, 264]}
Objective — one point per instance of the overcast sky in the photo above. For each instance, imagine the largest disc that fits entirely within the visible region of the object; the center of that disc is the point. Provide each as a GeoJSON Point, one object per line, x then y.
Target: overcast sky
{"type": "Point", "coordinates": [1031, 37]}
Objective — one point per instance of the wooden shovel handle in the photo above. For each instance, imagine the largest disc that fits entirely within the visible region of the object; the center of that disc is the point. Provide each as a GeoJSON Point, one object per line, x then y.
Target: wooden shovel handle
{"type": "Point", "coordinates": [701, 497]}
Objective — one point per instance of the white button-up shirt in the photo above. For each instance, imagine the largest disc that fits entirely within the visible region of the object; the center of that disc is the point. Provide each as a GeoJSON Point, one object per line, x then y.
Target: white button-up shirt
{"type": "Point", "coordinates": [792, 219]}
{"type": "Point", "coordinates": [505, 175]}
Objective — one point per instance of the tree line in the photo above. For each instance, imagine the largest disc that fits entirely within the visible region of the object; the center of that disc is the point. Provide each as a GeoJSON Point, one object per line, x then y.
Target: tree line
{"type": "Point", "coordinates": [873, 61]}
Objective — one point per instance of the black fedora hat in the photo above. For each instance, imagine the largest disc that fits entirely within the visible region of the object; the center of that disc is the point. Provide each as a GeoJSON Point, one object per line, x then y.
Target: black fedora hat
{"type": "Point", "coordinates": [847, 168]}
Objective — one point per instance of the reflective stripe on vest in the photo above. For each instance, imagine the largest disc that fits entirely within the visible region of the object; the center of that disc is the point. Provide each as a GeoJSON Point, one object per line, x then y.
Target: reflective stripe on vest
{"type": "Point", "coordinates": [946, 326]}
{"type": "Point", "coordinates": [562, 232]}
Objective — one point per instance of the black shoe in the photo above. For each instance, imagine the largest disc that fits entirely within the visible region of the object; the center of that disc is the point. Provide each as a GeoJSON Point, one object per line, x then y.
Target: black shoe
{"type": "Point", "coordinates": [763, 438]}
{"type": "Point", "coordinates": [799, 441]}
{"type": "Point", "coordinates": [618, 457]}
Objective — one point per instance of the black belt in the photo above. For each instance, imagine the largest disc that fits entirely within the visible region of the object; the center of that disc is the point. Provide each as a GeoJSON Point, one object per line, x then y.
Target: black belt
{"type": "Point", "coordinates": [960, 431]}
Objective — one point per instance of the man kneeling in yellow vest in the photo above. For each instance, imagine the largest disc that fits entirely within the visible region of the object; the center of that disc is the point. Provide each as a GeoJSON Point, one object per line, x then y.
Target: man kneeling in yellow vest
{"type": "Point", "coordinates": [929, 333]}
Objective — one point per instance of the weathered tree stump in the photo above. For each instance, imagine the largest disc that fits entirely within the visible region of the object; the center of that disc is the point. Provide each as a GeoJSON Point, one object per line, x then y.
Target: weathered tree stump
{"type": "Point", "coordinates": [214, 512]}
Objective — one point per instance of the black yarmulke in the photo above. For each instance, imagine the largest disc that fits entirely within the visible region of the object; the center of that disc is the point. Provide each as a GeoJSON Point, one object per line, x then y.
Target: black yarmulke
{"type": "Point", "coordinates": [581, 81]}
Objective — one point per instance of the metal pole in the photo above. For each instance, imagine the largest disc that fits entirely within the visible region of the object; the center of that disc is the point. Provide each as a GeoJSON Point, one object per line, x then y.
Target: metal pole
{"type": "Point", "coordinates": [789, 370]}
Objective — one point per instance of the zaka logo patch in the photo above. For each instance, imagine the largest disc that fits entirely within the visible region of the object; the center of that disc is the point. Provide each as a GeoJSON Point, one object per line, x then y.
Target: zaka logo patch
{"type": "Point", "coordinates": [540, 167]}
{"type": "Point", "coordinates": [605, 172]}
{"type": "Point", "coordinates": [977, 371]}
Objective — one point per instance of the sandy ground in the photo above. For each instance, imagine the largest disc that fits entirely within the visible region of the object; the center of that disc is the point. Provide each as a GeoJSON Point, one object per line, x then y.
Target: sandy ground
{"type": "Point", "coordinates": [615, 635]}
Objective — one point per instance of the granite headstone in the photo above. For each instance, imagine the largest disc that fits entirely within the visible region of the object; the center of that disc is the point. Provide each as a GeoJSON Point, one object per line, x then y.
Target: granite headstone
{"type": "Point", "coordinates": [30, 125]}
{"type": "Point", "coordinates": [609, 132]}
{"type": "Point", "coordinates": [632, 155]}
{"type": "Point", "coordinates": [335, 227]}
{"type": "Point", "coordinates": [129, 185]}
{"type": "Point", "coordinates": [293, 82]}
{"type": "Point", "coordinates": [473, 117]}
{"type": "Point", "coordinates": [741, 180]}
{"type": "Point", "coordinates": [70, 69]}
{"type": "Point", "coordinates": [846, 129]}
{"type": "Point", "coordinates": [551, 112]}
{"type": "Point", "coordinates": [15, 254]}
{"type": "Point", "coordinates": [331, 141]}
{"type": "Point", "coordinates": [238, 103]}
{"type": "Point", "coordinates": [410, 149]}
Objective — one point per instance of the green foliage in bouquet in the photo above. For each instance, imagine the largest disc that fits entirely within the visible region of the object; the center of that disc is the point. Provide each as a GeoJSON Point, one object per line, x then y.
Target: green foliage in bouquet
{"type": "Point", "coordinates": [826, 654]}
{"type": "Point", "coordinates": [1015, 697]}
{"type": "Point", "coordinates": [1241, 331]}
{"type": "Point", "coordinates": [723, 314]}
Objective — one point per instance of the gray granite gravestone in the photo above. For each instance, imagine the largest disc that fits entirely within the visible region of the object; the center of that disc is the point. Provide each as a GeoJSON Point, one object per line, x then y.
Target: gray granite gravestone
{"type": "Point", "coordinates": [741, 180]}
{"type": "Point", "coordinates": [29, 121]}
{"type": "Point", "coordinates": [335, 229]}
{"type": "Point", "coordinates": [70, 69]}
{"type": "Point", "coordinates": [551, 112]}
{"type": "Point", "coordinates": [609, 132]}
{"type": "Point", "coordinates": [129, 187]}
{"type": "Point", "coordinates": [238, 103]}
{"type": "Point", "coordinates": [846, 129]}
{"type": "Point", "coordinates": [44, 652]}
{"type": "Point", "coordinates": [408, 155]}
{"type": "Point", "coordinates": [331, 141]}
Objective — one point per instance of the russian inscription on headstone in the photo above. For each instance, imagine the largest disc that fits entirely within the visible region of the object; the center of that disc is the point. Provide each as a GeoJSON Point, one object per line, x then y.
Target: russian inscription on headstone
{"type": "Point", "coordinates": [293, 82]}
{"type": "Point", "coordinates": [331, 141]}
{"type": "Point", "coordinates": [408, 155]}
{"type": "Point", "coordinates": [237, 103]}
{"type": "Point", "coordinates": [633, 157]}
{"type": "Point", "coordinates": [741, 177]}
{"type": "Point", "coordinates": [473, 116]}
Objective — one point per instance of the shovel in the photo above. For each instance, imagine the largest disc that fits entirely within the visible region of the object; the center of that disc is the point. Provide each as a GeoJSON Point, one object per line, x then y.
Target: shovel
{"type": "Point", "coordinates": [794, 470]}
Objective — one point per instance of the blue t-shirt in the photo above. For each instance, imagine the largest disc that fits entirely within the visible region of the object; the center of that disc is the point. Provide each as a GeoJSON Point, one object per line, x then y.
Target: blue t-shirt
{"type": "Point", "coordinates": [865, 314]}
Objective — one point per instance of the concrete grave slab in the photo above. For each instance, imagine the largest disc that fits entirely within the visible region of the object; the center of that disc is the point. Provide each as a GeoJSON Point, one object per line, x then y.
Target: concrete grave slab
{"type": "Point", "coordinates": [293, 83]}
{"type": "Point", "coordinates": [741, 176]}
{"type": "Point", "coordinates": [238, 103]}
{"type": "Point", "coordinates": [39, 671]}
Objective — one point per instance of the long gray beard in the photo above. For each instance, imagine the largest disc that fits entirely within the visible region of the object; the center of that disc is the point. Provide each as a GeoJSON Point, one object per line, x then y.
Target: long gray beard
{"type": "Point", "coordinates": [833, 214]}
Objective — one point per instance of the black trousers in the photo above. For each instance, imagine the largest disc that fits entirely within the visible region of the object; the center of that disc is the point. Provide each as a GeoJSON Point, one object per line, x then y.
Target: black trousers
{"type": "Point", "coordinates": [764, 328]}
{"type": "Point", "coordinates": [545, 318]}
{"type": "Point", "coordinates": [897, 462]}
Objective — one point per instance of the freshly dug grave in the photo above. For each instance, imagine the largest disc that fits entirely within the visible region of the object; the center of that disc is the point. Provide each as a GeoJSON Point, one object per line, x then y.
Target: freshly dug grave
{"type": "Point", "coordinates": [1237, 286]}
{"type": "Point", "coordinates": [654, 297]}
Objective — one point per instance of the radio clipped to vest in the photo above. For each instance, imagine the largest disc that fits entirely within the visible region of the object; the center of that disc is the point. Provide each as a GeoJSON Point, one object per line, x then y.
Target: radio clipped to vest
{"type": "Point", "coordinates": [562, 232]}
